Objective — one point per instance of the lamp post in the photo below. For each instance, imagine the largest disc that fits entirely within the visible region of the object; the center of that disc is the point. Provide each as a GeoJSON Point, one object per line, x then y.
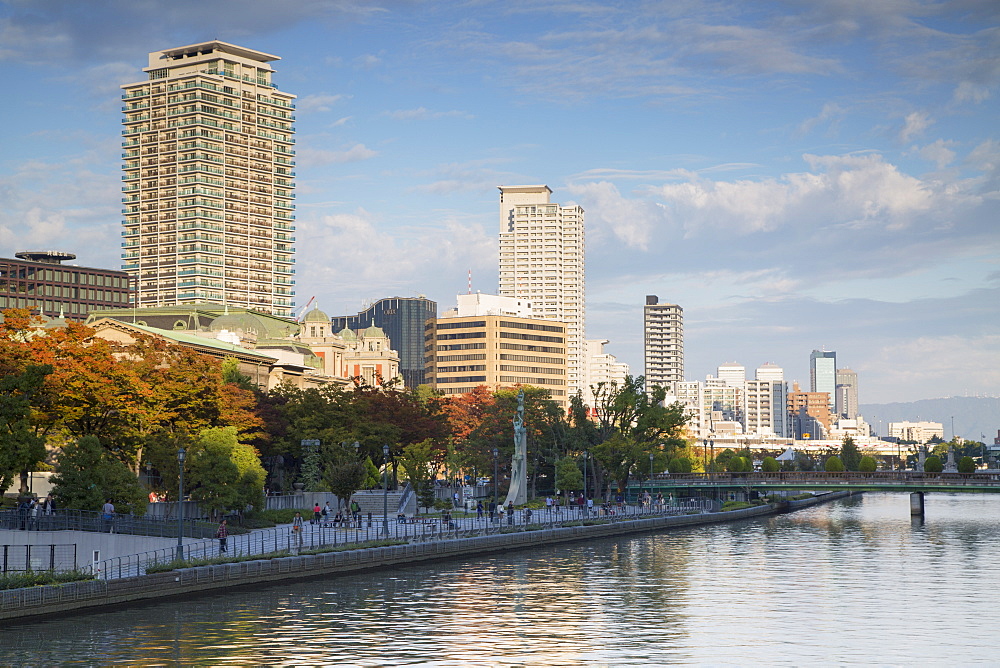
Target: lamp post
{"type": "Point", "coordinates": [496, 476]}
{"type": "Point", "coordinates": [180, 505]}
{"type": "Point", "coordinates": [385, 490]}
{"type": "Point", "coordinates": [585, 497]}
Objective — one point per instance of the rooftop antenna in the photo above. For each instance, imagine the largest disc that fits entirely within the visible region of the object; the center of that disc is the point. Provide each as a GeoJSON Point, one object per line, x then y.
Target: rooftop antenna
{"type": "Point", "coordinates": [470, 281]}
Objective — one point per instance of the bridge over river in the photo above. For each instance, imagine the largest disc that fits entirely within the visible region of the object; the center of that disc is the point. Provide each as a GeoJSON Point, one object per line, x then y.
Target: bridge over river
{"type": "Point", "coordinates": [745, 484]}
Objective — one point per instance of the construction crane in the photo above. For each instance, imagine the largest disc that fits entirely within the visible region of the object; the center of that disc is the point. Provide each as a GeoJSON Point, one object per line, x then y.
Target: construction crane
{"type": "Point", "coordinates": [297, 314]}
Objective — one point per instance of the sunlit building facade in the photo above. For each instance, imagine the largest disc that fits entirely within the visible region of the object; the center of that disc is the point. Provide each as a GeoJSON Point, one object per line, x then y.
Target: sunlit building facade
{"type": "Point", "coordinates": [208, 180]}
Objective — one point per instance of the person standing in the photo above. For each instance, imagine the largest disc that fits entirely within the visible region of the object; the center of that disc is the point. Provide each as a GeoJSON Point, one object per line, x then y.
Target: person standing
{"type": "Point", "coordinates": [108, 515]}
{"type": "Point", "coordinates": [493, 509]}
{"type": "Point", "coordinates": [510, 513]}
{"type": "Point", "coordinates": [479, 510]}
{"type": "Point", "coordinates": [297, 528]}
{"type": "Point", "coordinates": [222, 534]}
{"type": "Point", "coordinates": [317, 514]}
{"type": "Point", "coordinates": [356, 512]}
{"type": "Point", "coordinates": [50, 505]}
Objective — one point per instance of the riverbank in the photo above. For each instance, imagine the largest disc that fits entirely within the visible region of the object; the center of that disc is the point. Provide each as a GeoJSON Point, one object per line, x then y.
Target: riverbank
{"type": "Point", "coordinates": [45, 601]}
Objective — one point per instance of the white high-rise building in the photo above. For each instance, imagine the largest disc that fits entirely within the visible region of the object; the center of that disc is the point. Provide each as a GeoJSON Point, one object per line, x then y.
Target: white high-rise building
{"type": "Point", "coordinates": [600, 367]}
{"type": "Point", "coordinates": [663, 327]}
{"type": "Point", "coordinates": [732, 373]}
{"type": "Point", "coordinates": [208, 180]}
{"type": "Point", "coordinates": [542, 261]}
{"type": "Point", "coordinates": [766, 402]}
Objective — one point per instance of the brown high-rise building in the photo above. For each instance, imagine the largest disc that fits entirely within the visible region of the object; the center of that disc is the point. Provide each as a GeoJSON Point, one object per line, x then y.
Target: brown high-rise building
{"type": "Point", "coordinates": [39, 282]}
{"type": "Point", "coordinates": [809, 412]}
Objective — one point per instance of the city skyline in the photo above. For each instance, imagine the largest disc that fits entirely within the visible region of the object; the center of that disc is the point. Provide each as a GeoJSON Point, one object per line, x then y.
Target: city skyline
{"type": "Point", "coordinates": [794, 177]}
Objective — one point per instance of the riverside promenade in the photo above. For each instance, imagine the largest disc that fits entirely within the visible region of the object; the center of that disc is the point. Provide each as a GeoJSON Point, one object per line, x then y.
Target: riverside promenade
{"type": "Point", "coordinates": [35, 602]}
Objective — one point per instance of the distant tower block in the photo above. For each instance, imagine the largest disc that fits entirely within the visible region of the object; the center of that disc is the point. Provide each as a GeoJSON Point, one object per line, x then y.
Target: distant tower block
{"type": "Point", "coordinates": [663, 326]}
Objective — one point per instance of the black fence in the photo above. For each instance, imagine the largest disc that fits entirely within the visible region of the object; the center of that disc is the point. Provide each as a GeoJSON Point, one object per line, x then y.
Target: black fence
{"type": "Point", "coordinates": [85, 520]}
{"type": "Point", "coordinates": [19, 558]}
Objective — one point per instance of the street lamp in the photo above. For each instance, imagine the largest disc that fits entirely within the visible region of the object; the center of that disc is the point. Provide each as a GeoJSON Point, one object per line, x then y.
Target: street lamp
{"type": "Point", "coordinates": [385, 490]}
{"type": "Point", "coordinates": [496, 476]}
{"type": "Point", "coordinates": [585, 497]}
{"type": "Point", "coordinates": [180, 505]}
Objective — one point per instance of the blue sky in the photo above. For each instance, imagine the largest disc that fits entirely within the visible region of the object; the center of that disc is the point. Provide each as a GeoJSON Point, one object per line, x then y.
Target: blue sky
{"type": "Point", "coordinates": [796, 175]}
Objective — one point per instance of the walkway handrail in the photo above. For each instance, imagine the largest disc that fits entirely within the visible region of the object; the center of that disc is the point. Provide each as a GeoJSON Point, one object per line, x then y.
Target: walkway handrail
{"type": "Point", "coordinates": [977, 479]}
{"type": "Point", "coordinates": [87, 520]}
{"type": "Point", "coordinates": [325, 534]}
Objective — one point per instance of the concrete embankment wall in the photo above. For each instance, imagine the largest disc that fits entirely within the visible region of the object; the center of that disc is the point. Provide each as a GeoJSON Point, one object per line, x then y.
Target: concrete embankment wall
{"type": "Point", "coordinates": [23, 604]}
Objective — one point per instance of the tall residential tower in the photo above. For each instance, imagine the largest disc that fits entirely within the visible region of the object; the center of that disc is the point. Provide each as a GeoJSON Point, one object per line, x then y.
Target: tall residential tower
{"type": "Point", "coordinates": [542, 261]}
{"type": "Point", "coordinates": [208, 179]}
{"type": "Point", "coordinates": [663, 325]}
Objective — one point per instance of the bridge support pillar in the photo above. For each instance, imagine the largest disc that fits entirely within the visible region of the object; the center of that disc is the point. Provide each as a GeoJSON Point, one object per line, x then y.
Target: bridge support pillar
{"type": "Point", "coordinates": [917, 504]}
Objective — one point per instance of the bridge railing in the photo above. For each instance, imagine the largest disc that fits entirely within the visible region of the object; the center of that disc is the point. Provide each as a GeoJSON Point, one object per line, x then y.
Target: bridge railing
{"type": "Point", "coordinates": [979, 478]}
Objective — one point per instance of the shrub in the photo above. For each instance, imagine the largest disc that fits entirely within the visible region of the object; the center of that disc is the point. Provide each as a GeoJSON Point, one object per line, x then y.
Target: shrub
{"type": "Point", "coordinates": [21, 579]}
{"type": "Point", "coordinates": [867, 464]}
{"type": "Point", "coordinates": [966, 465]}
{"type": "Point", "coordinates": [834, 465]}
{"type": "Point", "coordinates": [735, 505]}
{"type": "Point", "coordinates": [769, 465]}
{"type": "Point", "coordinates": [933, 464]}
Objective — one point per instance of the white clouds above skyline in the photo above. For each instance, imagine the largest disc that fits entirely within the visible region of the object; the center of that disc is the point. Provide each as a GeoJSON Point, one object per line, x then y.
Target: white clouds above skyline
{"type": "Point", "coordinates": [794, 174]}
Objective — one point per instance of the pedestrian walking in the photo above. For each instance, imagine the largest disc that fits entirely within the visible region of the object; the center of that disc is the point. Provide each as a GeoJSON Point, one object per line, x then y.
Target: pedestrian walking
{"type": "Point", "coordinates": [222, 533]}
{"type": "Point", "coordinates": [493, 509]}
{"type": "Point", "coordinates": [479, 510]}
{"type": "Point", "coordinates": [317, 514]}
{"type": "Point", "coordinates": [356, 512]}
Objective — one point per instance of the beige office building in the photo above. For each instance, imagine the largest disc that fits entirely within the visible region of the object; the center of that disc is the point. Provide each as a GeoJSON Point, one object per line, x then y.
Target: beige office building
{"type": "Point", "coordinates": [208, 180]}
{"type": "Point", "coordinates": [542, 261]}
{"type": "Point", "coordinates": [468, 350]}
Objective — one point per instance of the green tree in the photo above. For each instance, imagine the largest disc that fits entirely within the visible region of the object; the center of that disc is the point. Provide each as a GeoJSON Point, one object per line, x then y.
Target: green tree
{"type": "Point", "coordinates": [87, 475]}
{"type": "Point", "coordinates": [966, 465]}
{"type": "Point", "coordinates": [769, 465]}
{"type": "Point", "coordinates": [343, 473]}
{"type": "Point", "coordinates": [419, 462]}
{"type": "Point", "coordinates": [634, 423]}
{"type": "Point", "coordinates": [868, 464]}
{"type": "Point", "coordinates": [569, 477]}
{"type": "Point", "coordinates": [679, 465]}
{"type": "Point", "coordinates": [933, 464]}
{"type": "Point", "coordinates": [739, 464]}
{"type": "Point", "coordinates": [834, 464]}
{"type": "Point", "coordinates": [21, 447]}
{"type": "Point", "coordinates": [224, 473]}
{"type": "Point", "coordinates": [849, 454]}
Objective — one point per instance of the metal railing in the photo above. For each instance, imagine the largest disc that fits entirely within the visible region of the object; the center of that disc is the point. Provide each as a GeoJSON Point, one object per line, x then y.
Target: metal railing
{"type": "Point", "coordinates": [15, 558]}
{"type": "Point", "coordinates": [86, 520]}
{"type": "Point", "coordinates": [988, 479]}
{"type": "Point", "coordinates": [327, 534]}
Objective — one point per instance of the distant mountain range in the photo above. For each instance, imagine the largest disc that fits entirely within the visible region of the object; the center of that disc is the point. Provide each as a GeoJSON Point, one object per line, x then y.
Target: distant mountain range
{"type": "Point", "coordinates": [976, 418]}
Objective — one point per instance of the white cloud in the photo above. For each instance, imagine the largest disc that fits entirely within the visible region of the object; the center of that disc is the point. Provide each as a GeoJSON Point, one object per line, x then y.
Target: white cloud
{"type": "Point", "coordinates": [938, 152]}
{"type": "Point", "coordinates": [354, 253]}
{"type": "Point", "coordinates": [914, 125]}
{"type": "Point", "coordinates": [954, 365]}
{"type": "Point", "coordinates": [316, 157]}
{"type": "Point", "coordinates": [424, 114]}
{"type": "Point", "coordinates": [318, 102]}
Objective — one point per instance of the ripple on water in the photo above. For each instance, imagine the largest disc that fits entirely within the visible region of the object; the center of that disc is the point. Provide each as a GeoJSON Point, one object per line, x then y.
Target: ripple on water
{"type": "Point", "coordinates": [850, 582]}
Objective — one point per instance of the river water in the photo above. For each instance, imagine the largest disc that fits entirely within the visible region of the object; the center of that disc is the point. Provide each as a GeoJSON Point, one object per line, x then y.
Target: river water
{"type": "Point", "coordinates": [851, 582]}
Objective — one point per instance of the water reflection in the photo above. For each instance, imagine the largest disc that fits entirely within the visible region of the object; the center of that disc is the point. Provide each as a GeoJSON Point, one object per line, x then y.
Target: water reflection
{"type": "Point", "coordinates": [851, 582]}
